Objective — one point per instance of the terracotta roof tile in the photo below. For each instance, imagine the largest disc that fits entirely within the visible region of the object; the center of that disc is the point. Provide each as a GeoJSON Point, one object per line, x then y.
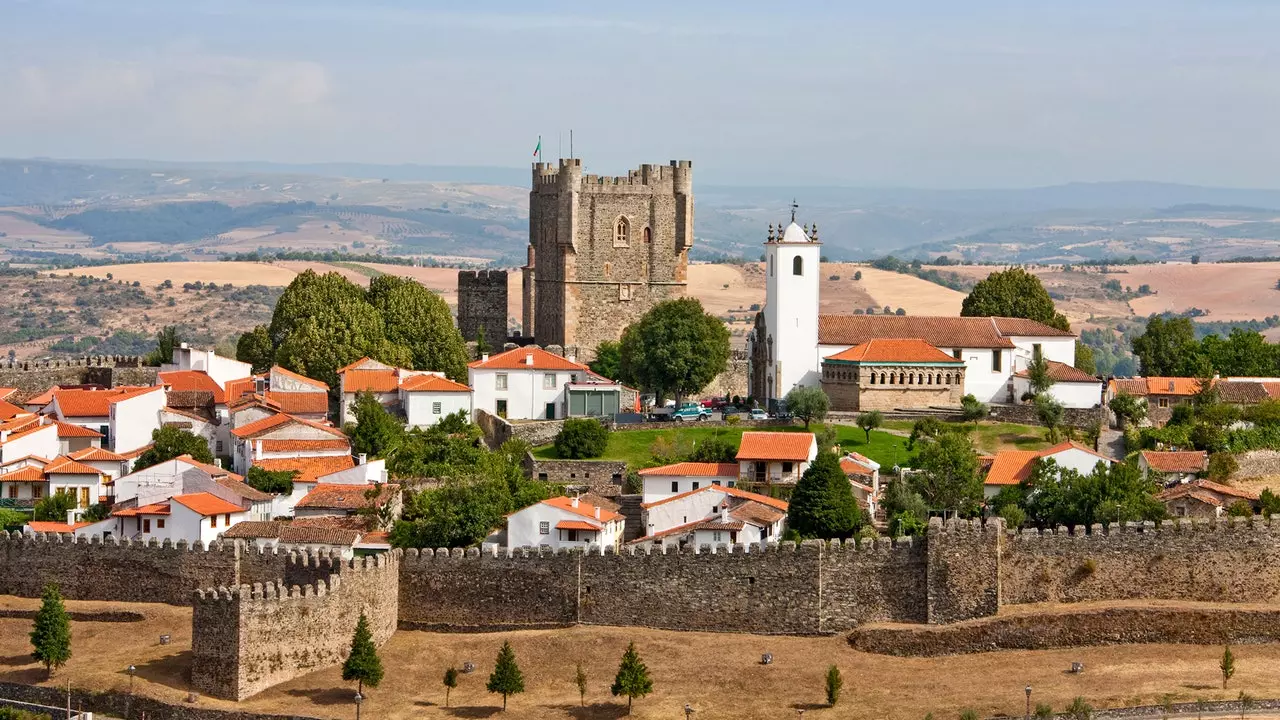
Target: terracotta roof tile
{"type": "Point", "coordinates": [364, 363]}
{"type": "Point", "coordinates": [577, 525]}
{"type": "Point", "coordinates": [1242, 392]}
{"type": "Point", "coordinates": [1141, 386]}
{"type": "Point", "coordinates": [267, 424]}
{"type": "Point", "coordinates": [63, 465]}
{"type": "Point", "coordinates": [941, 332]}
{"type": "Point", "coordinates": [853, 467]}
{"type": "Point", "coordinates": [310, 403]}
{"type": "Point", "coordinates": [191, 380]}
{"type": "Point", "coordinates": [206, 504]}
{"type": "Point", "coordinates": [55, 527]}
{"type": "Point", "coordinates": [891, 350]}
{"type": "Point", "coordinates": [730, 491]}
{"type": "Point", "coordinates": [95, 454]}
{"type": "Point", "coordinates": [6, 392]}
{"type": "Point", "coordinates": [189, 415]}
{"type": "Point", "coordinates": [1182, 461]}
{"type": "Point", "coordinates": [1010, 467]}
{"type": "Point", "coordinates": [757, 513]}
{"type": "Point", "coordinates": [1022, 327]}
{"type": "Point", "coordinates": [70, 430]}
{"type": "Point", "coordinates": [291, 532]}
{"type": "Point", "coordinates": [1207, 486]}
{"type": "Point", "coordinates": [759, 445]}
{"type": "Point", "coordinates": [432, 383]}
{"type": "Point", "coordinates": [518, 359]}
{"type": "Point", "coordinates": [8, 410]}
{"type": "Point", "coordinates": [379, 381]}
{"type": "Point", "coordinates": [695, 469]}
{"type": "Point", "coordinates": [160, 508]}
{"type": "Point", "coordinates": [235, 388]}
{"type": "Point", "coordinates": [1064, 373]}
{"type": "Point", "coordinates": [269, 445]}
{"type": "Point", "coordinates": [584, 508]}
{"type": "Point", "coordinates": [715, 524]}
{"type": "Point", "coordinates": [24, 474]}
{"type": "Point", "coordinates": [299, 378]}
{"type": "Point", "coordinates": [16, 435]}
{"type": "Point", "coordinates": [330, 496]}
{"type": "Point", "coordinates": [308, 468]}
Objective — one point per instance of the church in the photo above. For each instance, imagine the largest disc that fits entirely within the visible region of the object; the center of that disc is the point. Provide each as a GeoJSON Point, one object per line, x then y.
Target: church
{"type": "Point", "coordinates": [887, 362]}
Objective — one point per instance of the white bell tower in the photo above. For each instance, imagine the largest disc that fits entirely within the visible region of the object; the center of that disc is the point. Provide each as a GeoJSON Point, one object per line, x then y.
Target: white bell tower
{"type": "Point", "coordinates": [792, 258]}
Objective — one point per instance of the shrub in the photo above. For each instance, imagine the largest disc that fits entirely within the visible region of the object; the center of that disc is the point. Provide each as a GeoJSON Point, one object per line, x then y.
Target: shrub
{"type": "Point", "coordinates": [1044, 711]}
{"type": "Point", "coordinates": [1240, 508]}
{"type": "Point", "coordinates": [1088, 567]}
{"type": "Point", "coordinates": [834, 683]}
{"type": "Point", "coordinates": [581, 438]}
{"type": "Point", "coordinates": [1222, 466]}
{"type": "Point", "coordinates": [1080, 710]}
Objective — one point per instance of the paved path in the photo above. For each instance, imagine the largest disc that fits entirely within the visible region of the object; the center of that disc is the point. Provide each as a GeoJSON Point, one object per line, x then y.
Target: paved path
{"type": "Point", "coordinates": [1111, 444]}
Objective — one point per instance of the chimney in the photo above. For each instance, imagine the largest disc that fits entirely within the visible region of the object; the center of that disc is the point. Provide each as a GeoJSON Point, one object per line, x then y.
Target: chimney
{"type": "Point", "coordinates": [184, 346]}
{"type": "Point", "coordinates": [257, 449]}
{"type": "Point", "coordinates": [362, 458]}
{"type": "Point", "coordinates": [597, 512]}
{"type": "Point", "coordinates": [71, 517]}
{"type": "Point", "coordinates": [571, 355]}
{"type": "Point", "coordinates": [484, 357]}
{"type": "Point", "coordinates": [528, 359]}
{"type": "Point", "coordinates": [573, 502]}
{"type": "Point", "coordinates": [217, 462]}
{"type": "Point", "coordinates": [4, 436]}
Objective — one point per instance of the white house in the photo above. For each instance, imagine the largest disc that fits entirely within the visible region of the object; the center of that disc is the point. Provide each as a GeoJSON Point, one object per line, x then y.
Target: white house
{"type": "Point", "coordinates": [563, 522]}
{"type": "Point", "coordinates": [134, 416]}
{"type": "Point", "coordinates": [83, 482]}
{"type": "Point", "coordinates": [345, 500]}
{"type": "Point", "coordinates": [775, 457]}
{"type": "Point", "coordinates": [72, 438]}
{"type": "Point", "coordinates": [28, 437]}
{"type": "Point", "coordinates": [864, 476]}
{"type": "Point", "coordinates": [427, 399]}
{"type": "Point", "coordinates": [1011, 467]}
{"type": "Point", "coordinates": [23, 485]}
{"type": "Point", "coordinates": [296, 535]}
{"type": "Point", "coordinates": [1174, 467]}
{"type": "Point", "coordinates": [526, 383]}
{"type": "Point", "coordinates": [1071, 387]}
{"type": "Point", "coordinates": [111, 465]}
{"type": "Point", "coordinates": [368, 375]}
{"type": "Point", "coordinates": [667, 481]}
{"type": "Point", "coordinates": [184, 475]}
{"type": "Point", "coordinates": [194, 517]}
{"type": "Point", "coordinates": [285, 436]}
{"type": "Point", "coordinates": [221, 369]}
{"type": "Point", "coordinates": [712, 515]}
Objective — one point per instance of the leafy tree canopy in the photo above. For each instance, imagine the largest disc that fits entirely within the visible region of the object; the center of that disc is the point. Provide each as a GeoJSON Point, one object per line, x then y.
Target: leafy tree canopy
{"type": "Point", "coordinates": [1168, 347]}
{"type": "Point", "coordinates": [270, 481]}
{"type": "Point", "coordinates": [807, 402]}
{"type": "Point", "coordinates": [947, 474]}
{"type": "Point", "coordinates": [581, 438]}
{"type": "Point", "coordinates": [714, 449]}
{"type": "Point", "coordinates": [375, 432]}
{"type": "Point", "coordinates": [1013, 293]}
{"type": "Point", "coordinates": [53, 508]}
{"type": "Point", "coordinates": [420, 320]}
{"type": "Point", "coordinates": [256, 349]}
{"type": "Point", "coordinates": [168, 443]}
{"type": "Point", "coordinates": [1055, 495]}
{"type": "Point", "coordinates": [608, 361]}
{"type": "Point", "coordinates": [676, 348]}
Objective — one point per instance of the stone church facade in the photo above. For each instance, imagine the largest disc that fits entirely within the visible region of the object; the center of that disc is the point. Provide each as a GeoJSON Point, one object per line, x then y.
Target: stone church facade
{"type": "Point", "coordinates": [603, 250]}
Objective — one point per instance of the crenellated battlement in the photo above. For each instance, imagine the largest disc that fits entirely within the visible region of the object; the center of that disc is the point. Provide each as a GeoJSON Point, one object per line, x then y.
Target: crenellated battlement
{"type": "Point", "coordinates": [37, 541]}
{"type": "Point", "coordinates": [675, 177]}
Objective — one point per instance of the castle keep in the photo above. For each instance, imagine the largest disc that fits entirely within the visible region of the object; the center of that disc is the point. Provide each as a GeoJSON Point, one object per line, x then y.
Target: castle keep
{"type": "Point", "coordinates": [603, 250]}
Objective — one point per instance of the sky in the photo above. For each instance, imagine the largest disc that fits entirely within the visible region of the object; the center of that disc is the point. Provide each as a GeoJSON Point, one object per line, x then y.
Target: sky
{"type": "Point", "coordinates": [898, 93]}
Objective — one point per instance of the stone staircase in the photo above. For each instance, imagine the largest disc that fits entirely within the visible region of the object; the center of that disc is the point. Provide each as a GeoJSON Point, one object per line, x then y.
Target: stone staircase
{"type": "Point", "coordinates": [630, 509]}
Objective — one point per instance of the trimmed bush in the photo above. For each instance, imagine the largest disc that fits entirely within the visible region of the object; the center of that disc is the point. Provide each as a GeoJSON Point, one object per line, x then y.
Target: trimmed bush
{"type": "Point", "coordinates": [581, 438]}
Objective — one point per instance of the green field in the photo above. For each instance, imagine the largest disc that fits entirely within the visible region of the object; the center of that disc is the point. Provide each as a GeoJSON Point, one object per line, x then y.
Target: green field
{"type": "Point", "coordinates": [992, 437]}
{"type": "Point", "coordinates": [633, 445]}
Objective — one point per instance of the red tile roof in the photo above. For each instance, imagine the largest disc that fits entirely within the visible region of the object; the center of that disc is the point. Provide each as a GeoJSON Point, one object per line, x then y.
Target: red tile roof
{"type": "Point", "coordinates": [1188, 461]}
{"type": "Point", "coordinates": [891, 350]}
{"type": "Point", "coordinates": [206, 504]}
{"type": "Point", "coordinates": [576, 525]}
{"type": "Point", "coordinates": [192, 380]}
{"type": "Point", "coordinates": [364, 363]}
{"type": "Point", "coordinates": [1156, 386]}
{"type": "Point", "coordinates": [187, 414]}
{"type": "Point", "coordinates": [1022, 327]}
{"type": "Point", "coordinates": [1064, 373]}
{"type": "Point", "coordinates": [236, 388]}
{"type": "Point", "coordinates": [70, 430]}
{"type": "Point", "coordinates": [942, 332]}
{"type": "Point", "coordinates": [757, 513]}
{"type": "Point", "coordinates": [55, 527]}
{"type": "Point", "coordinates": [309, 469]}
{"type": "Point", "coordinates": [730, 491]}
{"type": "Point", "coordinates": [310, 403]}
{"type": "Point", "coordinates": [9, 410]}
{"type": "Point", "coordinates": [518, 359]}
{"type": "Point", "coordinates": [63, 465]}
{"type": "Point", "coordinates": [160, 508]}
{"type": "Point", "coordinates": [28, 430]}
{"type": "Point", "coordinates": [292, 532]}
{"type": "Point", "coordinates": [267, 424]}
{"type": "Point", "coordinates": [331, 496]}
{"type": "Point", "coordinates": [853, 467]}
{"type": "Point", "coordinates": [584, 509]}
{"type": "Point", "coordinates": [1011, 467]}
{"type": "Point", "coordinates": [95, 454]}
{"type": "Point", "coordinates": [213, 470]}
{"type": "Point", "coordinates": [379, 381]}
{"type": "Point", "coordinates": [695, 469]}
{"type": "Point", "coordinates": [299, 378]}
{"type": "Point", "coordinates": [1209, 486]}
{"type": "Point", "coordinates": [269, 445]}
{"type": "Point", "coordinates": [24, 474]}
{"type": "Point", "coordinates": [761, 445]}
{"type": "Point", "coordinates": [432, 383]}
{"type": "Point", "coordinates": [5, 392]}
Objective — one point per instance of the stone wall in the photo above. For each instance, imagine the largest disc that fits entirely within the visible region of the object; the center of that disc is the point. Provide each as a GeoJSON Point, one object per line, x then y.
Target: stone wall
{"type": "Point", "coordinates": [248, 638]}
{"type": "Point", "coordinates": [465, 590]}
{"type": "Point", "coordinates": [733, 381]}
{"type": "Point", "coordinates": [875, 581]}
{"type": "Point", "coordinates": [119, 570]}
{"type": "Point", "coordinates": [117, 702]}
{"type": "Point", "coordinates": [1071, 417]}
{"type": "Point", "coordinates": [851, 388]}
{"type": "Point", "coordinates": [32, 378]}
{"type": "Point", "coordinates": [603, 477]}
{"type": "Point", "coordinates": [1258, 463]}
{"type": "Point", "coordinates": [963, 574]}
{"type": "Point", "coordinates": [482, 304]}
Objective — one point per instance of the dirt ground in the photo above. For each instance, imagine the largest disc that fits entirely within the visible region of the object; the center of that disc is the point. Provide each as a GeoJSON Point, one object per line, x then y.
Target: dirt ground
{"type": "Point", "coordinates": [152, 274]}
{"type": "Point", "coordinates": [719, 674]}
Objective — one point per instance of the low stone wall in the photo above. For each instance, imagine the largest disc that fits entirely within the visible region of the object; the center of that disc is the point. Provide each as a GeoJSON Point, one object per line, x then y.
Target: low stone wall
{"type": "Point", "coordinates": [248, 638]}
{"type": "Point", "coordinates": [602, 477]}
{"type": "Point", "coordinates": [116, 703]}
{"type": "Point", "coordinates": [1258, 463]}
{"type": "Point", "coordinates": [1071, 417]}
{"type": "Point", "coordinates": [1104, 626]}
{"type": "Point", "coordinates": [499, 430]}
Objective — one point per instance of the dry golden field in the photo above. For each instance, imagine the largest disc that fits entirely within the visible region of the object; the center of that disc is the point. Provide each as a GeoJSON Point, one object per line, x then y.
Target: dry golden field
{"type": "Point", "coordinates": [152, 274]}
{"type": "Point", "coordinates": [719, 674]}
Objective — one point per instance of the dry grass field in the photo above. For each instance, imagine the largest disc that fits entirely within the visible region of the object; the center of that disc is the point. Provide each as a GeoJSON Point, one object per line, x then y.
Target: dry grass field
{"type": "Point", "coordinates": [1229, 291]}
{"type": "Point", "coordinates": [152, 274]}
{"type": "Point", "coordinates": [719, 674]}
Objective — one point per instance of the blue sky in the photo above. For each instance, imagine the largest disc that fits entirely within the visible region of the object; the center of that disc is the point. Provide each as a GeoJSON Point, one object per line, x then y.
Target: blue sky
{"type": "Point", "coordinates": [980, 93]}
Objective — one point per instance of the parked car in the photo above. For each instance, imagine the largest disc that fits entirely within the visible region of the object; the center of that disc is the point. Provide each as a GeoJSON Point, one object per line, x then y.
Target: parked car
{"type": "Point", "coordinates": [758, 414]}
{"type": "Point", "coordinates": [691, 411]}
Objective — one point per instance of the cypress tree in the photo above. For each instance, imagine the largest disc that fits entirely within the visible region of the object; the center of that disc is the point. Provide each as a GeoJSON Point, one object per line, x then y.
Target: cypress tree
{"type": "Point", "coordinates": [633, 677]}
{"type": "Point", "coordinates": [823, 505]}
{"type": "Point", "coordinates": [51, 635]}
{"type": "Point", "coordinates": [363, 664]}
{"type": "Point", "coordinates": [506, 678]}
{"type": "Point", "coordinates": [450, 682]}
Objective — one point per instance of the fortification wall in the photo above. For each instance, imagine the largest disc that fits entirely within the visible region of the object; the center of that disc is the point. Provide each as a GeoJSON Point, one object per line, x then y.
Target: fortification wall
{"type": "Point", "coordinates": [1228, 560]}
{"type": "Point", "coordinates": [875, 581]}
{"type": "Point", "coordinates": [482, 305]}
{"type": "Point", "coordinates": [120, 570]}
{"type": "Point", "coordinates": [248, 638]}
{"type": "Point", "coordinates": [468, 589]}
{"type": "Point", "coordinates": [1258, 463]}
{"type": "Point", "coordinates": [963, 574]}
{"type": "Point", "coordinates": [34, 377]}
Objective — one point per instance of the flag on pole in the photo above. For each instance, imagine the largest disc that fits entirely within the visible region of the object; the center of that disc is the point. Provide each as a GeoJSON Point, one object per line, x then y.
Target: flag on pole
{"type": "Point", "coordinates": [537, 151]}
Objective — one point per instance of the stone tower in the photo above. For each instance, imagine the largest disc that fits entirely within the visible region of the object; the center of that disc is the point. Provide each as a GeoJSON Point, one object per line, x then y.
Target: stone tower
{"type": "Point", "coordinates": [482, 305]}
{"type": "Point", "coordinates": [606, 249]}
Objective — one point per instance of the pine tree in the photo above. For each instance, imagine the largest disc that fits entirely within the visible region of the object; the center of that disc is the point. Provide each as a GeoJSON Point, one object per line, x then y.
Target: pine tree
{"type": "Point", "coordinates": [506, 678]}
{"type": "Point", "coordinates": [51, 635]}
{"type": "Point", "coordinates": [1227, 665]}
{"type": "Point", "coordinates": [450, 682]}
{"type": "Point", "coordinates": [822, 504]}
{"type": "Point", "coordinates": [834, 683]}
{"type": "Point", "coordinates": [581, 680]}
{"type": "Point", "coordinates": [633, 677]}
{"type": "Point", "coordinates": [363, 664]}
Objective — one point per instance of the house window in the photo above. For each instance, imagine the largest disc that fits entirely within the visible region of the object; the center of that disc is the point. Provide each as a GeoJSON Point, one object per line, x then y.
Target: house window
{"type": "Point", "coordinates": [542, 477]}
{"type": "Point", "coordinates": [213, 521]}
{"type": "Point", "coordinates": [13, 490]}
{"type": "Point", "coordinates": [500, 381]}
{"type": "Point", "coordinates": [435, 408]}
{"type": "Point", "coordinates": [501, 408]}
{"type": "Point", "coordinates": [219, 447]}
{"type": "Point", "coordinates": [622, 233]}
{"type": "Point", "coordinates": [544, 528]}
{"type": "Point", "coordinates": [675, 486]}
{"type": "Point", "coordinates": [715, 482]}
{"type": "Point", "coordinates": [694, 485]}
{"type": "Point", "coordinates": [1164, 402]}
{"type": "Point", "coordinates": [226, 520]}
{"type": "Point", "coordinates": [995, 361]}
{"type": "Point", "coordinates": [549, 381]}
{"type": "Point", "coordinates": [955, 353]}
{"type": "Point", "coordinates": [37, 492]}
{"type": "Point", "coordinates": [786, 467]}
{"type": "Point", "coordinates": [797, 265]}
{"type": "Point", "coordinates": [160, 523]}
{"type": "Point", "coordinates": [146, 525]}
{"type": "Point", "coordinates": [715, 536]}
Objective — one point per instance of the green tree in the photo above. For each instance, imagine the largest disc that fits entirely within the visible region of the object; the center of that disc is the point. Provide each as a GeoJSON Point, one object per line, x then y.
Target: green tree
{"type": "Point", "coordinates": [12, 519]}
{"type": "Point", "coordinates": [580, 679]}
{"type": "Point", "coordinates": [633, 679]}
{"type": "Point", "coordinates": [51, 633]}
{"type": "Point", "coordinates": [362, 664]}
{"type": "Point", "coordinates": [1084, 359]}
{"type": "Point", "coordinates": [869, 421]}
{"type": "Point", "coordinates": [947, 474]}
{"type": "Point", "coordinates": [482, 343]}
{"type": "Point", "coordinates": [972, 409]}
{"type": "Point", "coordinates": [1044, 711]}
{"type": "Point", "coordinates": [906, 510]}
{"type": "Point", "coordinates": [166, 340]}
{"type": "Point", "coordinates": [506, 678]}
{"type": "Point", "coordinates": [450, 682]}
{"type": "Point", "coordinates": [1227, 665]}
{"type": "Point", "coordinates": [822, 504]}
{"type": "Point", "coordinates": [1108, 494]}
{"type": "Point", "coordinates": [808, 403]}
{"type": "Point", "coordinates": [924, 430]}
{"type": "Point", "coordinates": [676, 348]}
{"type": "Point", "coordinates": [375, 432]}
{"type": "Point", "coordinates": [1093, 433]}
{"type": "Point", "coordinates": [1240, 508]}
{"type": "Point", "coordinates": [170, 442]}
{"type": "Point", "coordinates": [1038, 374]}
{"type": "Point", "coordinates": [1013, 293]}
{"type": "Point", "coordinates": [1080, 710]}
{"type": "Point", "coordinates": [581, 438]}
{"type": "Point", "coordinates": [1049, 412]}
{"type": "Point", "coordinates": [833, 685]}
{"type": "Point", "coordinates": [420, 320]}
{"type": "Point", "coordinates": [608, 360]}
{"type": "Point", "coordinates": [1128, 408]}
{"type": "Point", "coordinates": [714, 449]}
{"type": "Point", "coordinates": [1168, 347]}
{"type": "Point", "coordinates": [1243, 353]}
{"type": "Point", "coordinates": [256, 349]}
{"type": "Point", "coordinates": [278, 482]}
{"type": "Point", "coordinates": [1270, 502]}
{"type": "Point", "coordinates": [54, 507]}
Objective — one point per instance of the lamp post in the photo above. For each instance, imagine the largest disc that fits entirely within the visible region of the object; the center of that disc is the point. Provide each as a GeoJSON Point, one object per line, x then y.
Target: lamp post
{"type": "Point", "coordinates": [1028, 691]}
{"type": "Point", "coordinates": [128, 703]}
{"type": "Point", "coordinates": [358, 700]}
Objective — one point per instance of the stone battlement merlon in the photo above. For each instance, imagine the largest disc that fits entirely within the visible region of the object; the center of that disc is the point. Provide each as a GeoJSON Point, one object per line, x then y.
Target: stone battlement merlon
{"type": "Point", "coordinates": [18, 539]}
{"type": "Point", "coordinates": [266, 592]}
{"type": "Point", "coordinates": [1181, 526]}
{"type": "Point", "coordinates": [482, 276]}
{"type": "Point", "coordinates": [675, 177]}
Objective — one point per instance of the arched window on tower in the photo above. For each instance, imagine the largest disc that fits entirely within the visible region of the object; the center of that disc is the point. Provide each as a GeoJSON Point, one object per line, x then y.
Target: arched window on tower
{"type": "Point", "coordinates": [648, 236]}
{"type": "Point", "coordinates": [797, 265]}
{"type": "Point", "coordinates": [622, 233]}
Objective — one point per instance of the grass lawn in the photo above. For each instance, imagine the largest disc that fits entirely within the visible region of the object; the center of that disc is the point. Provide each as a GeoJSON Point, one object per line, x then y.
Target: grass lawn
{"type": "Point", "coordinates": [633, 445]}
{"type": "Point", "coordinates": [992, 437]}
